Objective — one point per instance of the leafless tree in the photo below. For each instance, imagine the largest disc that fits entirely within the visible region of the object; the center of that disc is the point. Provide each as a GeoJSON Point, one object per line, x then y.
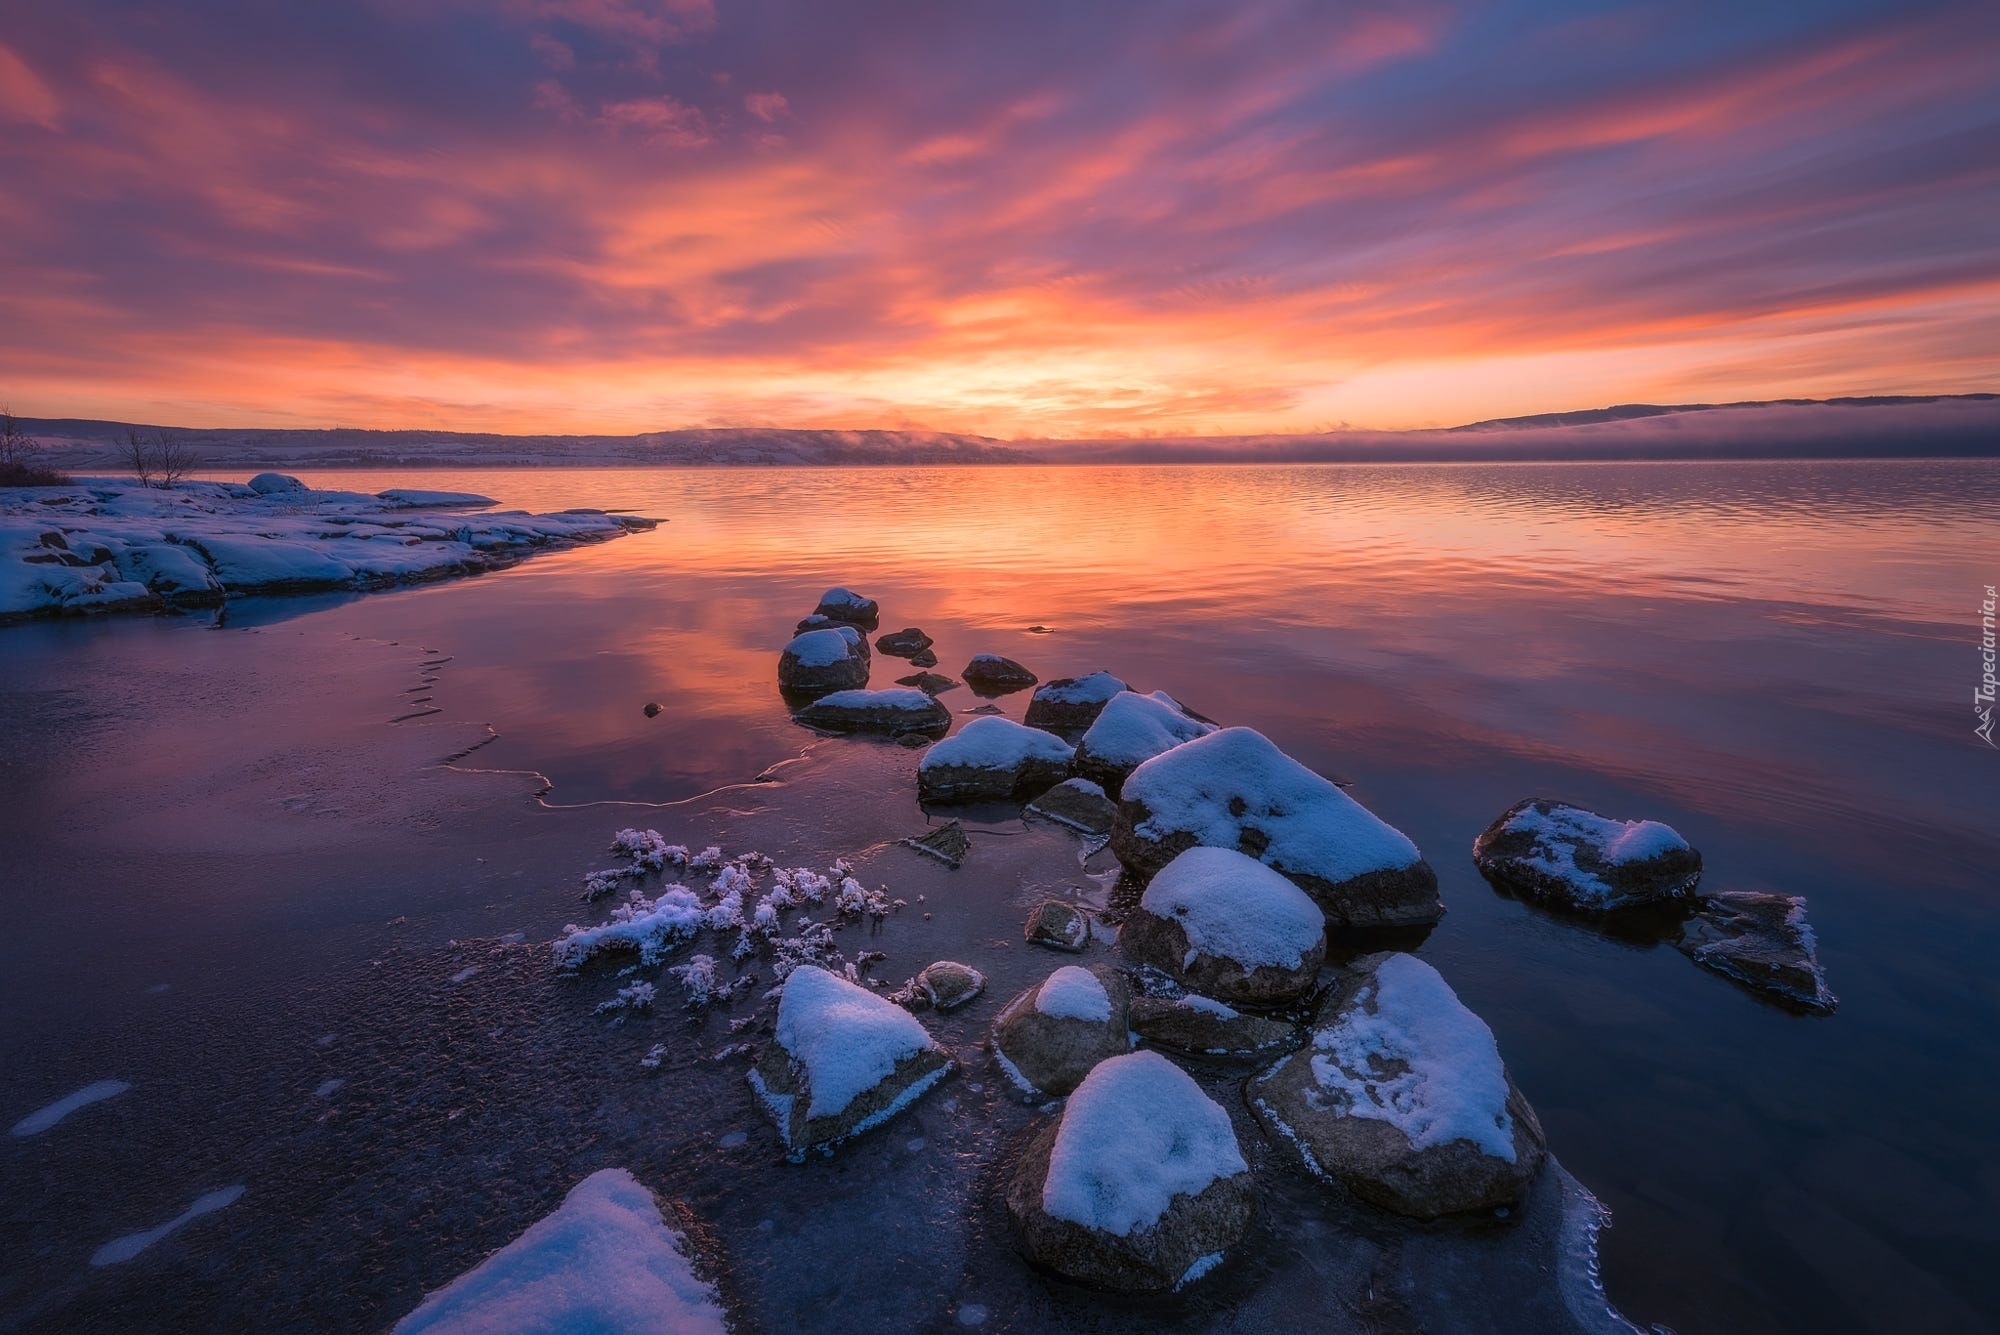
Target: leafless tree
{"type": "Point", "coordinates": [175, 457]}
{"type": "Point", "coordinates": [17, 448]}
{"type": "Point", "coordinates": [138, 456]}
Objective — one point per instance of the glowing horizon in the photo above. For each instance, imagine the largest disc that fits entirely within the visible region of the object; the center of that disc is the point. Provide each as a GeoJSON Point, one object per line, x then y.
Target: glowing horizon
{"type": "Point", "coordinates": [608, 216]}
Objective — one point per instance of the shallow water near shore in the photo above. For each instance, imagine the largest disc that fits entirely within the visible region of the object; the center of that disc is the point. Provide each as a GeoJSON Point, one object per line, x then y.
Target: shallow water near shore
{"type": "Point", "coordinates": [1777, 659]}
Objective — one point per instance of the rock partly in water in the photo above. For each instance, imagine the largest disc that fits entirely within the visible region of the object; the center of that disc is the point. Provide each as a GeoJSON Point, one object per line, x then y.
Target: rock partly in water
{"type": "Point", "coordinates": [843, 1060]}
{"type": "Point", "coordinates": [1234, 789]}
{"type": "Point", "coordinates": [824, 660]}
{"type": "Point", "coordinates": [1057, 925]}
{"type": "Point", "coordinates": [1571, 858]}
{"type": "Point", "coordinates": [927, 659]}
{"type": "Point", "coordinates": [1203, 1027]}
{"type": "Point", "coordinates": [1071, 704]}
{"type": "Point", "coordinates": [990, 674]}
{"type": "Point", "coordinates": [1050, 1036]}
{"type": "Point", "coordinates": [1079, 804]}
{"type": "Point", "coordinates": [1401, 1096]}
{"type": "Point", "coordinates": [849, 606]}
{"type": "Point", "coordinates": [930, 683]}
{"type": "Point", "coordinates": [1762, 942]}
{"type": "Point", "coordinates": [892, 711]}
{"type": "Point", "coordinates": [652, 709]}
{"type": "Point", "coordinates": [947, 984]}
{"type": "Point", "coordinates": [905, 643]}
{"type": "Point", "coordinates": [1139, 1186]}
{"type": "Point", "coordinates": [1225, 924]}
{"type": "Point", "coordinates": [1132, 730]}
{"type": "Point", "coordinates": [947, 843]}
{"type": "Point", "coordinates": [992, 759]}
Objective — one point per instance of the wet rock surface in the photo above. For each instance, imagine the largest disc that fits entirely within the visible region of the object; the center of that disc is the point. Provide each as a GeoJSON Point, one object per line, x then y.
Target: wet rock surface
{"type": "Point", "coordinates": [1760, 942]}
{"type": "Point", "coordinates": [1058, 926]}
{"type": "Point", "coordinates": [850, 607]}
{"type": "Point", "coordinates": [824, 660]}
{"type": "Point", "coordinates": [1199, 1026]}
{"type": "Point", "coordinates": [993, 759]}
{"type": "Point", "coordinates": [930, 683]}
{"type": "Point", "coordinates": [1568, 857]}
{"type": "Point", "coordinates": [905, 643]}
{"type": "Point", "coordinates": [1051, 1035]}
{"type": "Point", "coordinates": [991, 674]}
{"type": "Point", "coordinates": [947, 984]}
{"type": "Point", "coordinates": [1078, 804]}
{"type": "Point", "coordinates": [1071, 704]}
{"type": "Point", "coordinates": [892, 711]}
{"type": "Point", "coordinates": [947, 843]}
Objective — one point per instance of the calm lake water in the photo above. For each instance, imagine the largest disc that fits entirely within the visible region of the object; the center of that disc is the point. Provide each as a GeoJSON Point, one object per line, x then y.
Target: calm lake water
{"type": "Point", "coordinates": [1776, 658]}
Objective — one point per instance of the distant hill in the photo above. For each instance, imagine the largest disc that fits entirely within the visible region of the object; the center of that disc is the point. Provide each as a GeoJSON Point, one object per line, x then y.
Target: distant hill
{"type": "Point", "coordinates": [1885, 426]}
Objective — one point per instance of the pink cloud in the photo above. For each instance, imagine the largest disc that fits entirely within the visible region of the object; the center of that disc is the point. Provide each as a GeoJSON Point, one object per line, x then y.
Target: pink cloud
{"type": "Point", "coordinates": [767, 107]}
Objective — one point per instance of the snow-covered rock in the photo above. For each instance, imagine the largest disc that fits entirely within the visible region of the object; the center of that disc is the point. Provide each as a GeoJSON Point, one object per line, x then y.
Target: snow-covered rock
{"type": "Point", "coordinates": [1203, 1027]}
{"type": "Point", "coordinates": [905, 643]}
{"type": "Point", "coordinates": [1228, 926]}
{"type": "Point", "coordinates": [1077, 803]}
{"type": "Point", "coordinates": [1234, 789]}
{"type": "Point", "coordinates": [849, 606]}
{"type": "Point", "coordinates": [1562, 855]}
{"type": "Point", "coordinates": [1761, 942]}
{"type": "Point", "coordinates": [604, 1261]}
{"type": "Point", "coordinates": [1050, 1036]}
{"type": "Point", "coordinates": [823, 660]}
{"type": "Point", "coordinates": [899, 710]}
{"type": "Point", "coordinates": [992, 759]}
{"type": "Point", "coordinates": [1071, 704]}
{"type": "Point", "coordinates": [1140, 1185]}
{"type": "Point", "coordinates": [990, 674]}
{"type": "Point", "coordinates": [275, 484]}
{"type": "Point", "coordinates": [843, 1060]}
{"type": "Point", "coordinates": [1401, 1096]}
{"type": "Point", "coordinates": [1131, 730]}
{"type": "Point", "coordinates": [1056, 925]}
{"type": "Point", "coordinates": [103, 545]}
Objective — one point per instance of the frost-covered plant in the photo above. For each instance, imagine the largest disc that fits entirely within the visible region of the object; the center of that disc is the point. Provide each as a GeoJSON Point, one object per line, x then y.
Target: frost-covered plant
{"type": "Point", "coordinates": [649, 926]}
{"type": "Point", "coordinates": [598, 884]}
{"type": "Point", "coordinates": [636, 997]}
{"type": "Point", "coordinates": [645, 848]}
{"type": "Point", "coordinates": [707, 860]}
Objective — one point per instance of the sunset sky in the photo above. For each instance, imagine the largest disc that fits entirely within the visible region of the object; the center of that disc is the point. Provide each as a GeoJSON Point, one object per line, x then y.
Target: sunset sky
{"type": "Point", "coordinates": [1025, 220]}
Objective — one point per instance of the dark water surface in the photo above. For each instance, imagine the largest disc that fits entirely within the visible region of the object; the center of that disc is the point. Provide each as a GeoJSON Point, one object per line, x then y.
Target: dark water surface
{"type": "Point", "coordinates": [1777, 659]}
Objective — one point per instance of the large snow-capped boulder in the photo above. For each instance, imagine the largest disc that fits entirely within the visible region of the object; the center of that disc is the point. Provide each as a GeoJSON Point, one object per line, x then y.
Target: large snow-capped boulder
{"type": "Point", "coordinates": [172, 571]}
{"type": "Point", "coordinates": [1204, 1027]}
{"type": "Point", "coordinates": [1762, 942]}
{"type": "Point", "coordinates": [1140, 1185]}
{"type": "Point", "coordinates": [605, 1260]}
{"type": "Point", "coordinates": [246, 563]}
{"type": "Point", "coordinates": [900, 710]}
{"type": "Point", "coordinates": [1234, 789]}
{"type": "Point", "coordinates": [1050, 1036]}
{"type": "Point", "coordinates": [1079, 804]}
{"type": "Point", "coordinates": [992, 759]}
{"type": "Point", "coordinates": [843, 1060]}
{"type": "Point", "coordinates": [990, 674]}
{"type": "Point", "coordinates": [1571, 858]}
{"type": "Point", "coordinates": [1401, 1096]}
{"type": "Point", "coordinates": [833, 659]}
{"type": "Point", "coordinates": [849, 606]}
{"type": "Point", "coordinates": [1071, 704]}
{"type": "Point", "coordinates": [275, 484]}
{"type": "Point", "coordinates": [1131, 730]}
{"type": "Point", "coordinates": [1225, 924]}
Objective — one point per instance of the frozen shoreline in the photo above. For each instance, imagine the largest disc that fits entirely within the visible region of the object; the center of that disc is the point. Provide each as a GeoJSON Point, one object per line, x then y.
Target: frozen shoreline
{"type": "Point", "coordinates": [109, 545]}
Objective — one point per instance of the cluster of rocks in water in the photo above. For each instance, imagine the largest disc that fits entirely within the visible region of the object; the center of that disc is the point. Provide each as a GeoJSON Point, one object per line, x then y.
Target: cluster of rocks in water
{"type": "Point", "coordinates": [1371, 1077]}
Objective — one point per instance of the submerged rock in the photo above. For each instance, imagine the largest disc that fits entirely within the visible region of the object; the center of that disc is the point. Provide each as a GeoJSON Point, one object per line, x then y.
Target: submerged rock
{"type": "Point", "coordinates": [1203, 1027]}
{"type": "Point", "coordinates": [1139, 1186]}
{"type": "Point", "coordinates": [891, 711]}
{"type": "Point", "coordinates": [947, 843]}
{"type": "Point", "coordinates": [1050, 1036]}
{"type": "Point", "coordinates": [1762, 942]}
{"type": "Point", "coordinates": [927, 659]}
{"type": "Point", "coordinates": [1077, 803]}
{"type": "Point", "coordinates": [1571, 858]}
{"type": "Point", "coordinates": [849, 606]}
{"type": "Point", "coordinates": [1071, 704]}
{"type": "Point", "coordinates": [905, 643]}
{"type": "Point", "coordinates": [1225, 924]}
{"type": "Point", "coordinates": [823, 660]}
{"type": "Point", "coordinates": [1234, 789]}
{"type": "Point", "coordinates": [947, 984]}
{"type": "Point", "coordinates": [1132, 730]}
{"type": "Point", "coordinates": [930, 683]}
{"type": "Point", "coordinates": [843, 1060]}
{"type": "Point", "coordinates": [990, 674]}
{"type": "Point", "coordinates": [1057, 925]}
{"type": "Point", "coordinates": [1401, 1096]}
{"type": "Point", "coordinates": [992, 759]}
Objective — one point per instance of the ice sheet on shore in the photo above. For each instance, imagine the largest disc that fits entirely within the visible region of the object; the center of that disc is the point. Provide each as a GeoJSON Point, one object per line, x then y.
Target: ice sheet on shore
{"type": "Point", "coordinates": [110, 545]}
{"type": "Point", "coordinates": [44, 1119]}
{"type": "Point", "coordinates": [604, 1261]}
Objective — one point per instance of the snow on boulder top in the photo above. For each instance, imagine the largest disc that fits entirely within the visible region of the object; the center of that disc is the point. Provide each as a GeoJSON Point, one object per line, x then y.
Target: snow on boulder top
{"type": "Point", "coordinates": [1095, 688]}
{"type": "Point", "coordinates": [604, 1261]}
{"type": "Point", "coordinates": [1135, 728]}
{"type": "Point", "coordinates": [997, 743]}
{"type": "Point", "coordinates": [893, 699]}
{"type": "Point", "coordinates": [271, 484]}
{"type": "Point", "coordinates": [410, 497]}
{"type": "Point", "coordinates": [846, 1039]}
{"type": "Point", "coordinates": [821, 648]}
{"type": "Point", "coordinates": [843, 598]}
{"type": "Point", "coordinates": [1072, 993]}
{"type": "Point", "coordinates": [1617, 841]}
{"type": "Point", "coordinates": [1219, 785]}
{"type": "Point", "coordinates": [1136, 1133]}
{"type": "Point", "coordinates": [1593, 861]}
{"type": "Point", "coordinates": [1234, 906]}
{"type": "Point", "coordinates": [1447, 1082]}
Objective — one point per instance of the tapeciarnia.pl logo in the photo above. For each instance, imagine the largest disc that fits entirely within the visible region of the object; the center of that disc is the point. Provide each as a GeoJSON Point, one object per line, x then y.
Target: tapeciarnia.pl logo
{"type": "Point", "coordinates": [1982, 695]}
